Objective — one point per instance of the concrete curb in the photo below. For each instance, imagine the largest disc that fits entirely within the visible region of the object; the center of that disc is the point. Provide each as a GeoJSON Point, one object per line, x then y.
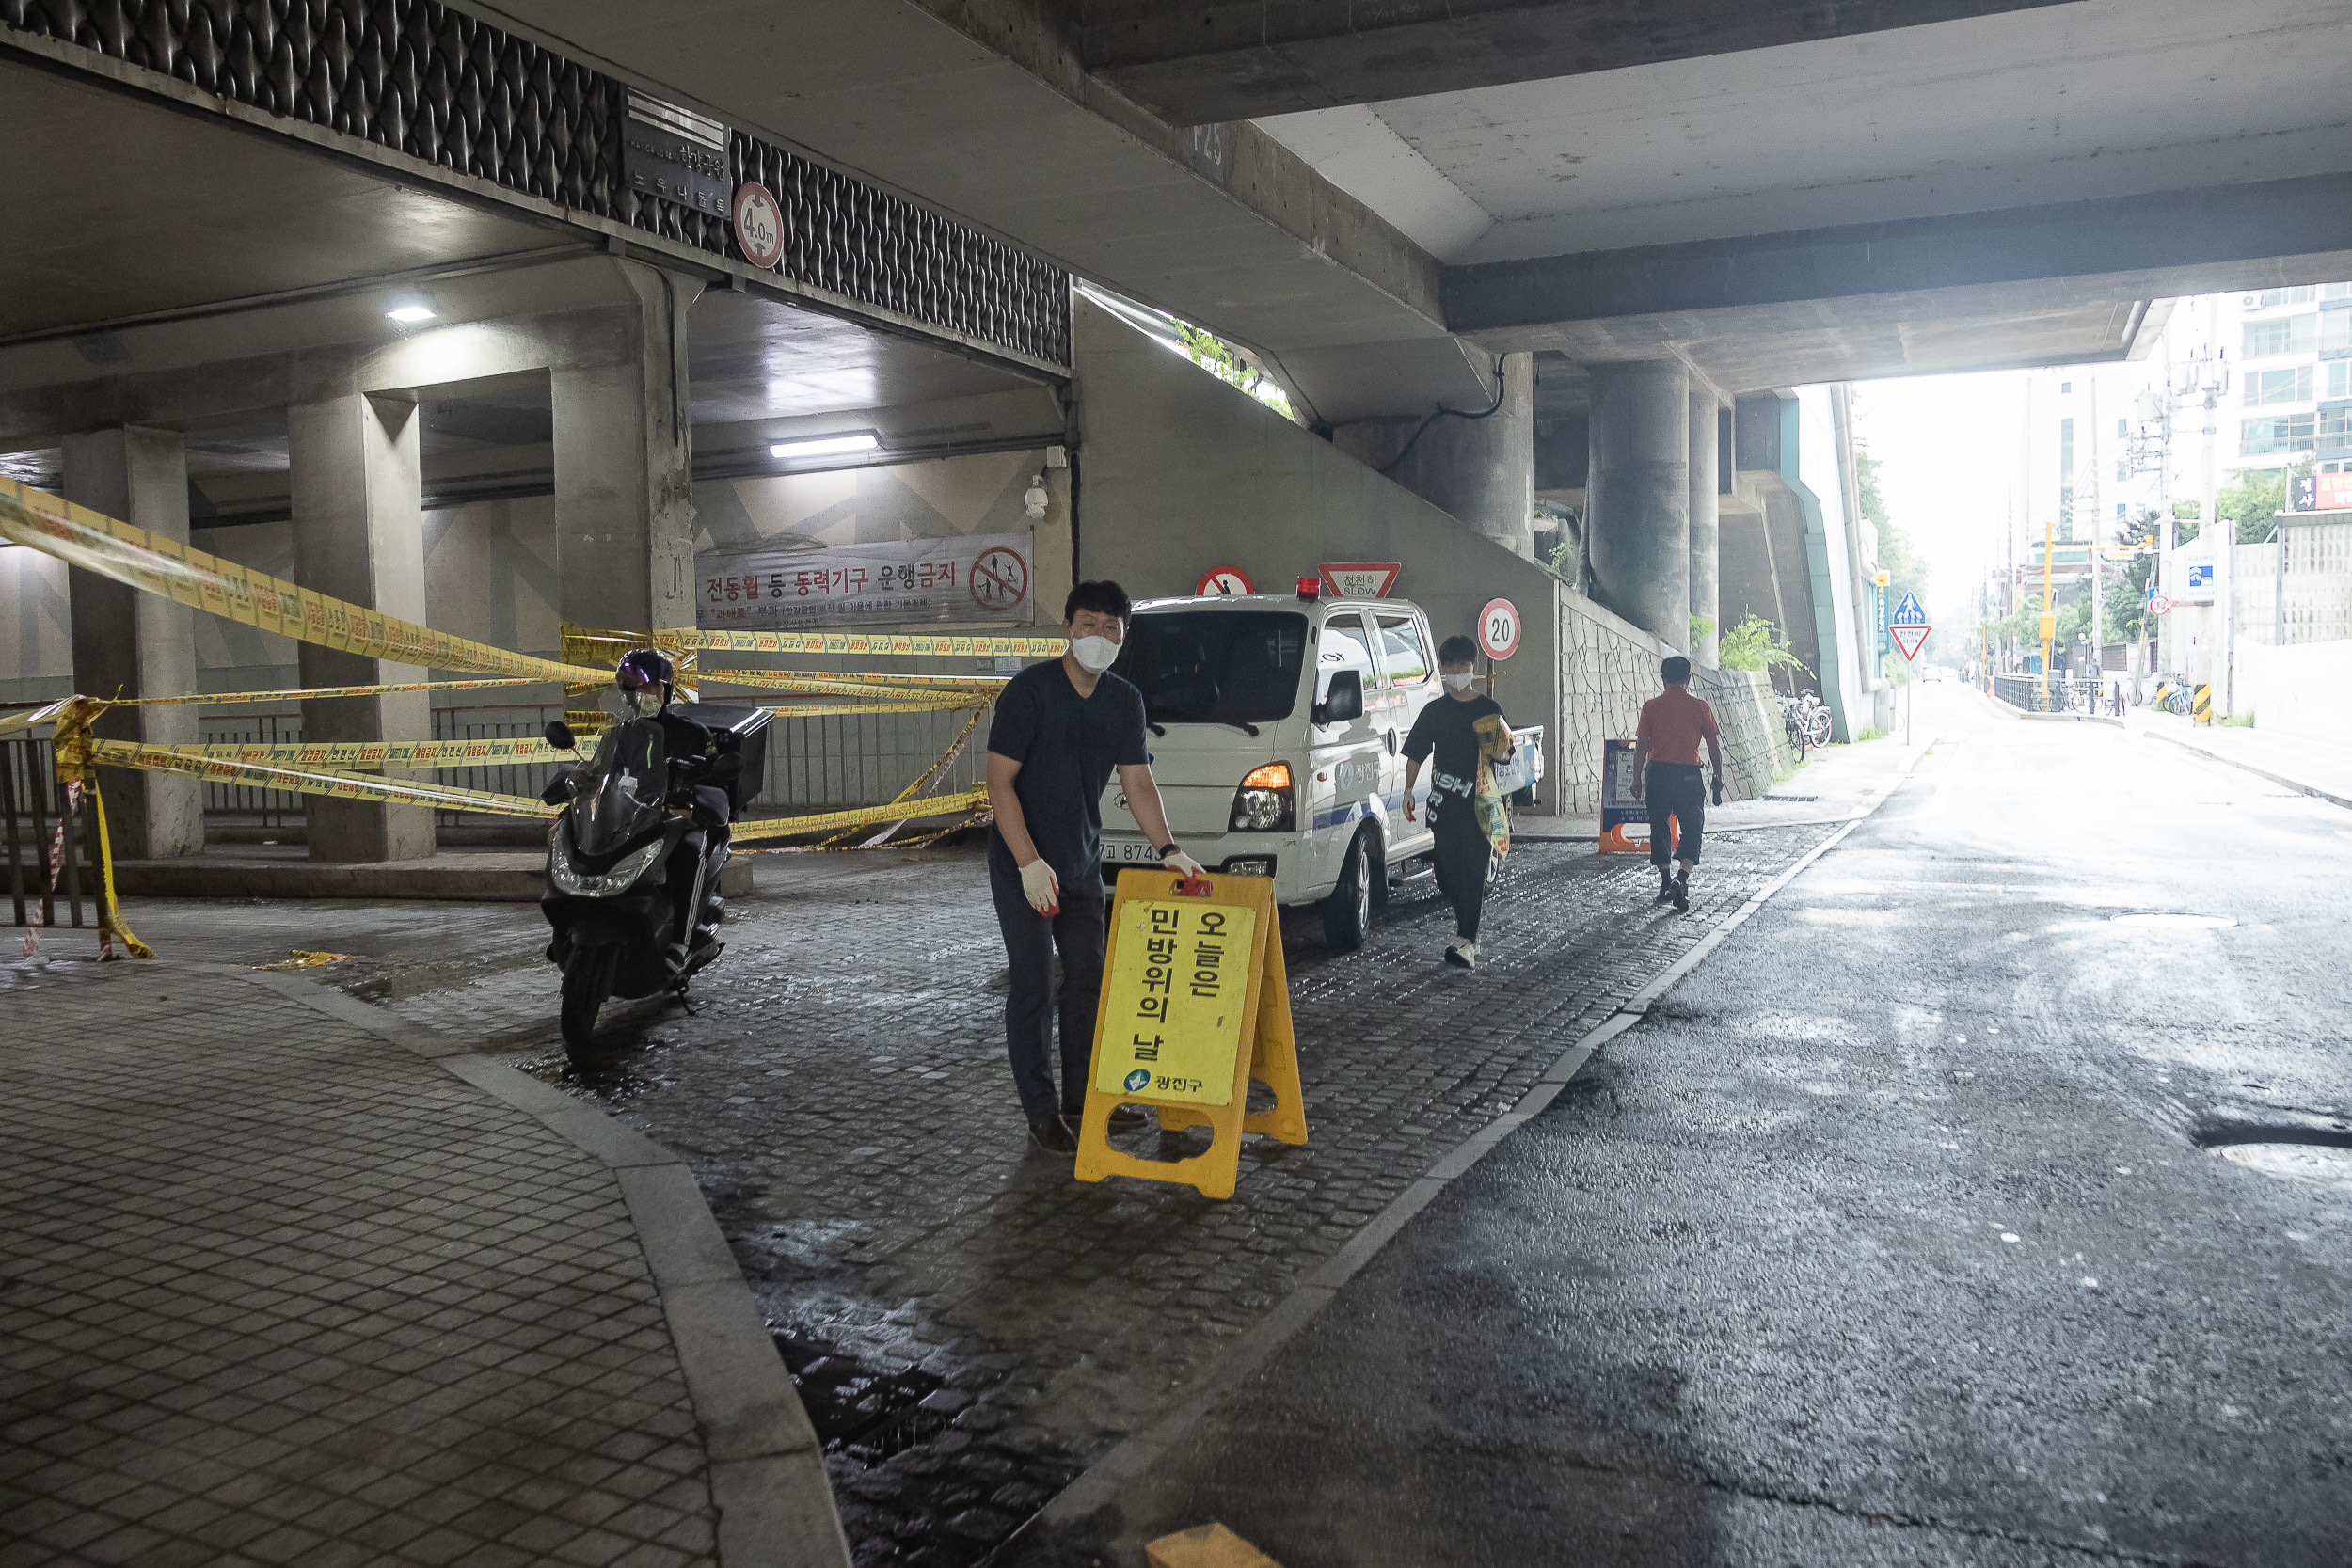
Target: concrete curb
{"type": "Point", "coordinates": [2186, 744]}
{"type": "Point", "coordinates": [768, 1475]}
{"type": "Point", "coordinates": [1101, 1483]}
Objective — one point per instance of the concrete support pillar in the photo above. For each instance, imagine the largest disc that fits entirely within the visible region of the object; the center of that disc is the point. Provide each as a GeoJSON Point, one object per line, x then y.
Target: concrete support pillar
{"type": "Point", "coordinates": [1482, 472]}
{"type": "Point", "coordinates": [1704, 512]}
{"type": "Point", "coordinates": [1638, 495]}
{"type": "Point", "coordinates": [358, 525]}
{"type": "Point", "coordinates": [134, 643]}
{"type": "Point", "coordinates": [624, 469]}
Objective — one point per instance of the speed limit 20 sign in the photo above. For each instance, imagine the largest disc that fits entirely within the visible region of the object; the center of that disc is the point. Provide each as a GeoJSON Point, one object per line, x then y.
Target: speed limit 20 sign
{"type": "Point", "coordinates": [1499, 628]}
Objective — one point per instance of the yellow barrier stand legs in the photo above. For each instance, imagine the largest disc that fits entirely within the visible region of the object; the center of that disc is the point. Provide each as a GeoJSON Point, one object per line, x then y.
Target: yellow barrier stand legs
{"type": "Point", "coordinates": [1194, 1005]}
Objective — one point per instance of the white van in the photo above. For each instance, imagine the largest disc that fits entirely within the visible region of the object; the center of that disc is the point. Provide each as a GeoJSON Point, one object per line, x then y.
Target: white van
{"type": "Point", "coordinates": [1277, 737]}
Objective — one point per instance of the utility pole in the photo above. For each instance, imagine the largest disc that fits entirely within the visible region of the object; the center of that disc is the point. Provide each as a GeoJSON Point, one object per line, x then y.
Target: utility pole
{"type": "Point", "coordinates": [2210, 379]}
{"type": "Point", "coordinates": [2098, 535]}
{"type": "Point", "coordinates": [2049, 621]}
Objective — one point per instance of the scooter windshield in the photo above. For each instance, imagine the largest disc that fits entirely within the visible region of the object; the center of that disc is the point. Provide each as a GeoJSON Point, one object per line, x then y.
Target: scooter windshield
{"type": "Point", "coordinates": [621, 791]}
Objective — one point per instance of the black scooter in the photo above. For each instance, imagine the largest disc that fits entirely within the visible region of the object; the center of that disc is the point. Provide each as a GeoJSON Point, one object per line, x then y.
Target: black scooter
{"type": "Point", "coordinates": [628, 837]}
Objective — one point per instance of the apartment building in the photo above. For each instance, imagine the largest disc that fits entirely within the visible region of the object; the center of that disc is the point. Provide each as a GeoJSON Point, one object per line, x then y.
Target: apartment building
{"type": "Point", "coordinates": [2292, 392]}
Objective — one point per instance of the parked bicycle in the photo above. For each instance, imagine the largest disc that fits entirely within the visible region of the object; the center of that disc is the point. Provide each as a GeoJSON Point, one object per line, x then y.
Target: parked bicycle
{"type": "Point", "coordinates": [1805, 721]}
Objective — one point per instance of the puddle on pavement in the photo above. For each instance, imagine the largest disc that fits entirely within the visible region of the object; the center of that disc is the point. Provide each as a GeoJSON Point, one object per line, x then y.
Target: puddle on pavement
{"type": "Point", "coordinates": [2175, 922]}
{"type": "Point", "coordinates": [2322, 1156]}
{"type": "Point", "coordinates": [2316, 1164]}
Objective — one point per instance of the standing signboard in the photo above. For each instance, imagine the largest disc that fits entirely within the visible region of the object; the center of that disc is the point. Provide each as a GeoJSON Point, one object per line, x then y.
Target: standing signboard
{"type": "Point", "coordinates": [1620, 809]}
{"type": "Point", "coordinates": [1194, 1005]}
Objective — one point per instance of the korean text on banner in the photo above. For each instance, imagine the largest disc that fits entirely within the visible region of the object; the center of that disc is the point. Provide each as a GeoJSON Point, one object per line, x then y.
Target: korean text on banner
{"type": "Point", "coordinates": [970, 578]}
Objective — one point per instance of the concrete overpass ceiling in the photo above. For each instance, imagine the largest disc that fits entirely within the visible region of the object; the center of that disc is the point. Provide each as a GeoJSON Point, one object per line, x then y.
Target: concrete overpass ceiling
{"type": "Point", "coordinates": [981, 110]}
{"type": "Point", "coordinates": [1213, 60]}
{"type": "Point", "coordinates": [132, 208]}
{"type": "Point", "coordinates": [2058, 104]}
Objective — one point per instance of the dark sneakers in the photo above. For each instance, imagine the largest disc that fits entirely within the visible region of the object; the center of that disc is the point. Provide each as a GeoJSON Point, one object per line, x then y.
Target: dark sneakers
{"type": "Point", "coordinates": [1682, 893]}
{"type": "Point", "coordinates": [1130, 1118]}
{"type": "Point", "coordinates": [1053, 1134]}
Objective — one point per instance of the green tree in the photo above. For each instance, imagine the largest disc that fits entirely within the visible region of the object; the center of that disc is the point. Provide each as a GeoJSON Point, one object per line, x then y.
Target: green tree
{"type": "Point", "coordinates": [1219, 358]}
{"type": "Point", "coordinates": [1905, 572]}
{"type": "Point", "coordinates": [2255, 501]}
{"type": "Point", "coordinates": [2127, 585]}
{"type": "Point", "coordinates": [1756, 644]}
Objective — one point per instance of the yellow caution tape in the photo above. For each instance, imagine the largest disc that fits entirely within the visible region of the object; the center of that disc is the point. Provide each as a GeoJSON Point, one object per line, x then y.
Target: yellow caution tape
{"type": "Point", "coordinates": [803, 680]}
{"type": "Point", "coordinates": [899, 811]}
{"type": "Point", "coordinates": [866, 644]}
{"type": "Point", "coordinates": [956, 707]}
{"type": "Point", "coordinates": [377, 753]}
{"type": "Point", "coordinates": [307, 781]}
{"type": "Point", "coordinates": [361, 786]}
{"type": "Point", "coordinates": [35, 718]}
{"type": "Point", "coordinates": [116, 549]}
{"type": "Point", "coordinates": [297, 692]}
{"type": "Point", "coordinates": [111, 922]}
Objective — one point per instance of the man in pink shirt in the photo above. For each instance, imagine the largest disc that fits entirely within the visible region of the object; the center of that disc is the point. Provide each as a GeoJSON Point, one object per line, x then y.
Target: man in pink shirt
{"type": "Point", "coordinates": [1667, 742]}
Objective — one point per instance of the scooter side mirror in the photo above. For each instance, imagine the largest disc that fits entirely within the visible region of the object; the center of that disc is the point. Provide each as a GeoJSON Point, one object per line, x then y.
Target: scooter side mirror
{"type": "Point", "coordinates": [560, 735]}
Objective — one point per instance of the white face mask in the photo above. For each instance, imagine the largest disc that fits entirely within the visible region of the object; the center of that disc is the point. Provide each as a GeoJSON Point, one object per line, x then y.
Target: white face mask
{"type": "Point", "coordinates": [648, 701]}
{"type": "Point", "coordinates": [1095, 654]}
{"type": "Point", "coordinates": [1459, 680]}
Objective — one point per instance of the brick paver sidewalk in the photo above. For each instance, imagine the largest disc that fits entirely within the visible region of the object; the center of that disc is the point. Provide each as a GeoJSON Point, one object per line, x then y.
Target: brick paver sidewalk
{"type": "Point", "coordinates": [275, 1290]}
{"type": "Point", "coordinates": [971, 1327]}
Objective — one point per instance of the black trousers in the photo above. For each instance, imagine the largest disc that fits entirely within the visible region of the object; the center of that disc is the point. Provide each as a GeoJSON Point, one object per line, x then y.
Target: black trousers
{"type": "Point", "coordinates": [1030, 940]}
{"type": "Point", "coordinates": [1462, 856]}
{"type": "Point", "coordinates": [1678, 790]}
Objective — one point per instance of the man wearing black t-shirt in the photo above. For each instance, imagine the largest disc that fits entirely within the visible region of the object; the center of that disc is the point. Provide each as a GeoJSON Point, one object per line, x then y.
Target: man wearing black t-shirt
{"type": "Point", "coordinates": [1448, 729]}
{"type": "Point", "coordinates": [1059, 730]}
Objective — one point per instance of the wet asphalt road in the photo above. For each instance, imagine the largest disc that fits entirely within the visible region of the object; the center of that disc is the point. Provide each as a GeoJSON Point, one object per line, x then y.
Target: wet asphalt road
{"type": "Point", "coordinates": [1890, 1237]}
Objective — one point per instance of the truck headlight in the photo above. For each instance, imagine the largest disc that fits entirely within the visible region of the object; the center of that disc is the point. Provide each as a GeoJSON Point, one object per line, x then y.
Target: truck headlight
{"type": "Point", "coordinates": [602, 884]}
{"type": "Point", "coordinates": [1262, 804]}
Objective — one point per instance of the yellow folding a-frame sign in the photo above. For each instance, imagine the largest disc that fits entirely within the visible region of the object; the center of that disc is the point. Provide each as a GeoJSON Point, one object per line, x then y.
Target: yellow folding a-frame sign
{"type": "Point", "coordinates": [1194, 1005]}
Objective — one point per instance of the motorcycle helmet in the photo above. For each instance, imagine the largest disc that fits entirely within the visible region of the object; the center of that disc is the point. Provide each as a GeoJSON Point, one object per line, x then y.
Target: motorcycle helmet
{"type": "Point", "coordinates": [646, 677]}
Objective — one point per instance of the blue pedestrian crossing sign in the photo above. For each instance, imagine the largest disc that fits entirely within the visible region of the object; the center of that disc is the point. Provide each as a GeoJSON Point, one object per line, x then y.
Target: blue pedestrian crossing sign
{"type": "Point", "coordinates": [1908, 614]}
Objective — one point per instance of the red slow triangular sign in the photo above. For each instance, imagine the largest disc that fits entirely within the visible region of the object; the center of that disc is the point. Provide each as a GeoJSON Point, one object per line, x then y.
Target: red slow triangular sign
{"type": "Point", "coordinates": [1911, 639]}
{"type": "Point", "coordinates": [1360, 579]}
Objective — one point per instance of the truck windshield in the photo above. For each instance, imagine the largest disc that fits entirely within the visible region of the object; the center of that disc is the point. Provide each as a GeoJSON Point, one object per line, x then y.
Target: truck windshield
{"type": "Point", "coordinates": [1215, 667]}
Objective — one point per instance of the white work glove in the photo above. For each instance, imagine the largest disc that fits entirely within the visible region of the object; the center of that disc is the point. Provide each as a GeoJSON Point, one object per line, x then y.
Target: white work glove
{"type": "Point", "coordinates": [1183, 864]}
{"type": "Point", "coordinates": [1041, 887]}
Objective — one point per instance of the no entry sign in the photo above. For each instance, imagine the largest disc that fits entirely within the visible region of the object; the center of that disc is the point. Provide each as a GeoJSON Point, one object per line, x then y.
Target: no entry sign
{"type": "Point", "coordinates": [1499, 628]}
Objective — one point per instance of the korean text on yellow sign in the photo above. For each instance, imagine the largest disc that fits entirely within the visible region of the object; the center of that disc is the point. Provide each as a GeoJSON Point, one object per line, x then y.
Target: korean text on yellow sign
{"type": "Point", "coordinates": [1179, 988]}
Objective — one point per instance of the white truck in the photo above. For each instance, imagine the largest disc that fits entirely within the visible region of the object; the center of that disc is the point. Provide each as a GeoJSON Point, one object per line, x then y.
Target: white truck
{"type": "Point", "coordinates": [1277, 737]}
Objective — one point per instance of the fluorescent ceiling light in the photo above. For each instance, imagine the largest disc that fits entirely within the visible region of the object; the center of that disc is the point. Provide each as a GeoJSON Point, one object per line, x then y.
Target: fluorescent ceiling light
{"type": "Point", "coordinates": [409, 313]}
{"type": "Point", "coordinates": [826, 446]}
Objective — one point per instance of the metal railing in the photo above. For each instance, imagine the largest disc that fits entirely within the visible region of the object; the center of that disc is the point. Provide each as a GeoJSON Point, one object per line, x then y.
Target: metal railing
{"type": "Point", "coordinates": [258, 806]}
{"type": "Point", "coordinates": [2048, 693]}
{"type": "Point", "coordinates": [33, 810]}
